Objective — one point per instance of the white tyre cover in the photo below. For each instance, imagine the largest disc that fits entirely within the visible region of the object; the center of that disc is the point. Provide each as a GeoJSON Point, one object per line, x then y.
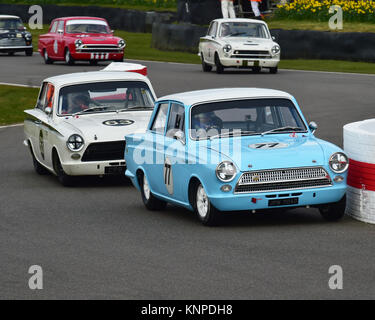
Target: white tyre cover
{"type": "Point", "coordinates": [359, 145]}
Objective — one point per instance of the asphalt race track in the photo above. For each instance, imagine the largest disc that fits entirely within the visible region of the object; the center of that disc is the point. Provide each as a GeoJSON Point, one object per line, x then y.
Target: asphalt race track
{"type": "Point", "coordinates": [98, 241]}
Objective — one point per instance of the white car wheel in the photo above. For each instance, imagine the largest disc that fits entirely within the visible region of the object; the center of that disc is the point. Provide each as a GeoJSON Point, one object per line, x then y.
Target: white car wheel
{"type": "Point", "coordinates": [146, 188]}
{"type": "Point", "coordinates": [202, 202]}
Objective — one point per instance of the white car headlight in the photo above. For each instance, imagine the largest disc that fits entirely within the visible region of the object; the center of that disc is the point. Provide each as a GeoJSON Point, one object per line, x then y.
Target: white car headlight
{"type": "Point", "coordinates": [75, 143]}
{"type": "Point", "coordinates": [338, 162]}
{"type": "Point", "coordinates": [78, 43]}
{"type": "Point", "coordinates": [121, 44]}
{"type": "Point", "coordinates": [275, 49]}
{"type": "Point", "coordinates": [226, 171]}
{"type": "Point", "coordinates": [227, 48]}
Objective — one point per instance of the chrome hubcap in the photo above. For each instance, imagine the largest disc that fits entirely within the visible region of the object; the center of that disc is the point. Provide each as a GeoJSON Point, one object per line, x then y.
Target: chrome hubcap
{"type": "Point", "coordinates": [45, 55]}
{"type": "Point", "coordinates": [146, 188]}
{"type": "Point", "coordinates": [67, 56]}
{"type": "Point", "coordinates": [202, 202]}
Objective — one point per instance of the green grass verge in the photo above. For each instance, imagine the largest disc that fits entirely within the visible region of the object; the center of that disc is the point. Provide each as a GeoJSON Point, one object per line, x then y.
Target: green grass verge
{"type": "Point", "coordinates": [139, 47]}
{"type": "Point", "coordinates": [13, 101]}
{"type": "Point", "coordinates": [289, 24]}
{"type": "Point", "coordinates": [328, 65]}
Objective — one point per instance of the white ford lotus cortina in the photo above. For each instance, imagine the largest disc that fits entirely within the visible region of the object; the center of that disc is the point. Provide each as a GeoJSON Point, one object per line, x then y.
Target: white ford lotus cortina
{"type": "Point", "coordinates": [239, 43]}
{"type": "Point", "coordinates": [79, 123]}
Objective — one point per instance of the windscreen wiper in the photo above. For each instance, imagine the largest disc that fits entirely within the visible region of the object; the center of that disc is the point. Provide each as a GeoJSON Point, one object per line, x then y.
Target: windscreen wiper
{"type": "Point", "coordinates": [288, 128]}
{"type": "Point", "coordinates": [231, 133]}
{"type": "Point", "coordinates": [235, 34]}
{"type": "Point", "coordinates": [101, 108]}
{"type": "Point", "coordinates": [134, 108]}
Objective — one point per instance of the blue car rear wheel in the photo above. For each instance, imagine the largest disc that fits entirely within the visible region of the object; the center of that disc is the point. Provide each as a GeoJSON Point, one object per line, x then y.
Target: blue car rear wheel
{"type": "Point", "coordinates": [150, 201]}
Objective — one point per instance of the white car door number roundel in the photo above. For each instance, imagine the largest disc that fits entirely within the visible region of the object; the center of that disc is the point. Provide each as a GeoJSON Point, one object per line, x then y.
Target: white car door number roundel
{"type": "Point", "coordinates": [168, 175]}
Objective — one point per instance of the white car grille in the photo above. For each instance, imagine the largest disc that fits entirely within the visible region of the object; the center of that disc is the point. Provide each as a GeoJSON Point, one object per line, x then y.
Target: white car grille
{"type": "Point", "coordinates": [283, 179]}
{"type": "Point", "coordinates": [251, 54]}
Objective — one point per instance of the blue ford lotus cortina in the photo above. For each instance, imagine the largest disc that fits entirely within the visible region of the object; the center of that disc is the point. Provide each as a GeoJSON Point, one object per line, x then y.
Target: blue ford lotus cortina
{"type": "Point", "coordinates": [221, 150]}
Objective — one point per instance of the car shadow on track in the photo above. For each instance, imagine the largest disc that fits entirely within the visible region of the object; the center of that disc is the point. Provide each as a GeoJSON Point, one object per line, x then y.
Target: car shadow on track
{"type": "Point", "coordinates": [265, 218]}
{"type": "Point", "coordinates": [100, 182]}
{"type": "Point", "coordinates": [246, 72]}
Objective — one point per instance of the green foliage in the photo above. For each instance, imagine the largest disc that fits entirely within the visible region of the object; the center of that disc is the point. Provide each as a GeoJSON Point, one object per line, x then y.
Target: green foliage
{"type": "Point", "coordinates": [142, 4]}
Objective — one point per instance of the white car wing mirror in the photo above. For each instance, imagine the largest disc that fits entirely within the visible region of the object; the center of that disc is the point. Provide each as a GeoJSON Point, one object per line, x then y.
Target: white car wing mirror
{"type": "Point", "coordinates": [48, 111]}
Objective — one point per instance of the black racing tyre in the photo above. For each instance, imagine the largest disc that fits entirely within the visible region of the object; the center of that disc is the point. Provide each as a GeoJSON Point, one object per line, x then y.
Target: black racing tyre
{"type": "Point", "coordinates": [10, 53]}
{"type": "Point", "coordinates": [29, 52]}
{"type": "Point", "coordinates": [205, 67]}
{"type": "Point", "coordinates": [93, 62]}
{"type": "Point", "coordinates": [68, 57]}
{"type": "Point", "coordinates": [47, 59]}
{"type": "Point", "coordinates": [64, 179]}
{"type": "Point", "coordinates": [333, 211]}
{"type": "Point", "coordinates": [219, 66]}
{"type": "Point", "coordinates": [207, 214]}
{"type": "Point", "coordinates": [149, 200]}
{"type": "Point", "coordinates": [274, 70]}
{"type": "Point", "coordinates": [256, 69]}
{"type": "Point", "coordinates": [39, 169]}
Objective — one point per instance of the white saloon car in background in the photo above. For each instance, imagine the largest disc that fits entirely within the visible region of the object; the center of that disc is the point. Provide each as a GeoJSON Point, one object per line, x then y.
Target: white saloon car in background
{"type": "Point", "coordinates": [241, 43]}
{"type": "Point", "coordinates": [79, 123]}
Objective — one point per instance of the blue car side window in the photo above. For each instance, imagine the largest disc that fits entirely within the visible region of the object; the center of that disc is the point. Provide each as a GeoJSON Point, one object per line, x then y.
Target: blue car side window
{"type": "Point", "coordinates": [176, 121]}
{"type": "Point", "coordinates": [160, 119]}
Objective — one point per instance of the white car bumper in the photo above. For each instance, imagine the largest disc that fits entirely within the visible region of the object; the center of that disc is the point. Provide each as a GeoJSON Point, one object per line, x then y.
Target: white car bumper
{"type": "Point", "coordinates": [240, 62]}
{"type": "Point", "coordinates": [100, 168]}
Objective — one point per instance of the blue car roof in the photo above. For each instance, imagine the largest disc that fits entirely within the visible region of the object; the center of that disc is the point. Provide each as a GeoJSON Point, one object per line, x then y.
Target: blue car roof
{"type": "Point", "coordinates": [210, 95]}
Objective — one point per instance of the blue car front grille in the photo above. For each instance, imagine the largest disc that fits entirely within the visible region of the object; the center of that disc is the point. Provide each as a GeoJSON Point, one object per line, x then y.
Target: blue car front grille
{"type": "Point", "coordinates": [283, 179]}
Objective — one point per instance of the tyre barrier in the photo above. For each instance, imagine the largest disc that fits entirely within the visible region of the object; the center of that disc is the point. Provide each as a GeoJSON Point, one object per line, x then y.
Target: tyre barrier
{"type": "Point", "coordinates": [359, 145]}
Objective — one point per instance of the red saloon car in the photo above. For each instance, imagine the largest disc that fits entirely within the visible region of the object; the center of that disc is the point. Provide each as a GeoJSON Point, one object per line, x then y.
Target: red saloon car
{"type": "Point", "coordinates": [80, 38]}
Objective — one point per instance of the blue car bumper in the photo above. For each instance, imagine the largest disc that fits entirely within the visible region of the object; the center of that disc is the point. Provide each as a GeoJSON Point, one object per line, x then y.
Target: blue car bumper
{"type": "Point", "coordinates": [287, 198]}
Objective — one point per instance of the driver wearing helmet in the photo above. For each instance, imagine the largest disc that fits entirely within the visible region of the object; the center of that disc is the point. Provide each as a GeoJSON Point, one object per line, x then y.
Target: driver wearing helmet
{"type": "Point", "coordinates": [225, 30]}
{"type": "Point", "coordinates": [80, 102]}
{"type": "Point", "coordinates": [205, 121]}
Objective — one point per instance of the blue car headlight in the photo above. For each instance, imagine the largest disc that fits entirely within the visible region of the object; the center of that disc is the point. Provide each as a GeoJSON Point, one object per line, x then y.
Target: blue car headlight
{"type": "Point", "coordinates": [226, 171]}
{"type": "Point", "coordinates": [339, 162]}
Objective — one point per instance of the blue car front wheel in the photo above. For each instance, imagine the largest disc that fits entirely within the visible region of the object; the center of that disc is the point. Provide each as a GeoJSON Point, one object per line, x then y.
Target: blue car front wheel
{"type": "Point", "coordinates": [205, 211]}
{"type": "Point", "coordinates": [333, 211]}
